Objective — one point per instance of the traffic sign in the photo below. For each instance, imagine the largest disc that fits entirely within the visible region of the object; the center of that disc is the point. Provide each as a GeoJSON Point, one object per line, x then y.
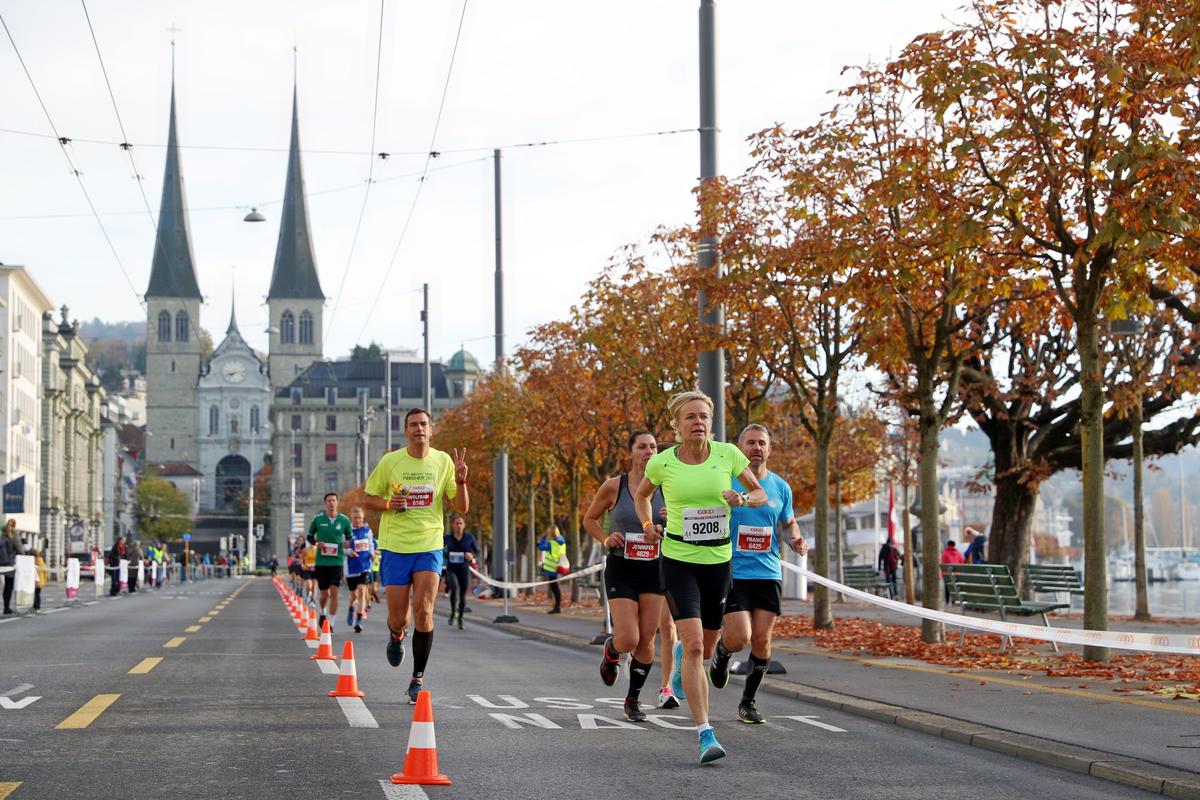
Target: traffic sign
{"type": "Point", "coordinates": [187, 537]}
{"type": "Point", "coordinates": [259, 531]}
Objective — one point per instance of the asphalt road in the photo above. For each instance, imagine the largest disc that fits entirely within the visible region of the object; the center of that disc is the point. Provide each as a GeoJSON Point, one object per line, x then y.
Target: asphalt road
{"type": "Point", "coordinates": [236, 709]}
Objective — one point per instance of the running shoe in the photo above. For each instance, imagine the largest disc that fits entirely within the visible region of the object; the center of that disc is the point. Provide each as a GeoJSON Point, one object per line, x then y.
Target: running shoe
{"type": "Point", "coordinates": [460, 627]}
{"type": "Point", "coordinates": [414, 689]}
{"type": "Point", "coordinates": [710, 748]}
{"type": "Point", "coordinates": [358, 627]}
{"type": "Point", "coordinates": [350, 616]}
{"type": "Point", "coordinates": [666, 699]}
{"type": "Point", "coordinates": [749, 713]}
{"type": "Point", "coordinates": [633, 710]}
{"type": "Point", "coordinates": [321, 622]}
{"type": "Point", "coordinates": [608, 665]}
{"type": "Point", "coordinates": [677, 674]}
{"type": "Point", "coordinates": [554, 611]}
{"type": "Point", "coordinates": [395, 650]}
{"type": "Point", "coordinates": [718, 671]}
{"type": "Point", "coordinates": [450, 621]}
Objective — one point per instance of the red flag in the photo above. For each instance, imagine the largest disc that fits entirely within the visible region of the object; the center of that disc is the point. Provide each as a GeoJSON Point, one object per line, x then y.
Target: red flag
{"type": "Point", "coordinates": [891, 513]}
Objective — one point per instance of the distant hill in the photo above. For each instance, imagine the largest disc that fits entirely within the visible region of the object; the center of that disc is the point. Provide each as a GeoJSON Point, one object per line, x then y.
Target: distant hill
{"type": "Point", "coordinates": [130, 333]}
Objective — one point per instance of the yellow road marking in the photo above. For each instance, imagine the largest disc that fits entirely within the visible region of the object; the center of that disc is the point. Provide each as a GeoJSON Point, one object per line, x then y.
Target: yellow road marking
{"type": "Point", "coordinates": [191, 629]}
{"type": "Point", "coordinates": [206, 619]}
{"type": "Point", "coordinates": [993, 678]}
{"type": "Point", "coordinates": [214, 612]}
{"type": "Point", "coordinates": [144, 666]}
{"type": "Point", "coordinates": [7, 788]}
{"type": "Point", "coordinates": [88, 712]}
{"type": "Point", "coordinates": [176, 641]}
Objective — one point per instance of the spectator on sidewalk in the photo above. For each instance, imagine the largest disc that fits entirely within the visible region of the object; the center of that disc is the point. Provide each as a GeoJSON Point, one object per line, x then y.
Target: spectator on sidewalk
{"type": "Point", "coordinates": [10, 548]}
{"type": "Point", "coordinates": [134, 554]}
{"type": "Point", "coordinates": [975, 554]}
{"type": "Point", "coordinates": [888, 563]}
{"type": "Point", "coordinates": [115, 554]}
{"type": "Point", "coordinates": [40, 576]}
{"type": "Point", "coordinates": [554, 553]}
{"type": "Point", "coordinates": [950, 556]}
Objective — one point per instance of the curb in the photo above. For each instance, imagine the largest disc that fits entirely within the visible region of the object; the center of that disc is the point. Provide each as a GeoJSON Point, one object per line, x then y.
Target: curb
{"type": "Point", "coordinates": [1106, 766]}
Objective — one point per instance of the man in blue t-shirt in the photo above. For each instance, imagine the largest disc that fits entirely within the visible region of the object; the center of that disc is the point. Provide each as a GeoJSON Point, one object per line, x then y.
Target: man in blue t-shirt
{"type": "Point", "coordinates": [360, 548]}
{"type": "Point", "coordinates": [755, 595]}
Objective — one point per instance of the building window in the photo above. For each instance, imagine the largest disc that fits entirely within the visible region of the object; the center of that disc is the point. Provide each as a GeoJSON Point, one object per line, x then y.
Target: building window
{"type": "Point", "coordinates": [164, 326]}
{"type": "Point", "coordinates": [297, 455]}
{"type": "Point", "coordinates": [331, 422]}
{"type": "Point", "coordinates": [297, 395]}
{"type": "Point", "coordinates": [172, 442]}
{"type": "Point", "coordinates": [254, 420]}
{"type": "Point", "coordinates": [331, 452]}
{"type": "Point", "coordinates": [295, 422]}
{"type": "Point", "coordinates": [214, 421]}
{"type": "Point", "coordinates": [172, 365]}
{"type": "Point", "coordinates": [395, 422]}
{"type": "Point", "coordinates": [458, 388]}
{"type": "Point", "coordinates": [331, 395]}
{"type": "Point", "coordinates": [181, 326]}
{"type": "Point", "coordinates": [298, 481]}
{"type": "Point", "coordinates": [331, 481]}
{"type": "Point", "coordinates": [361, 392]}
{"type": "Point", "coordinates": [306, 328]}
{"type": "Point", "coordinates": [287, 328]}
{"type": "Point", "coordinates": [233, 424]}
{"type": "Point", "coordinates": [395, 394]}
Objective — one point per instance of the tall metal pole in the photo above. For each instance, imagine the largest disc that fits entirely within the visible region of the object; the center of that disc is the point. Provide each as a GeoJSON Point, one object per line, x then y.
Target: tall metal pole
{"type": "Point", "coordinates": [712, 362]}
{"type": "Point", "coordinates": [387, 400]}
{"type": "Point", "coordinates": [251, 550]}
{"type": "Point", "coordinates": [426, 379]}
{"type": "Point", "coordinates": [291, 462]}
{"type": "Point", "coordinates": [500, 470]}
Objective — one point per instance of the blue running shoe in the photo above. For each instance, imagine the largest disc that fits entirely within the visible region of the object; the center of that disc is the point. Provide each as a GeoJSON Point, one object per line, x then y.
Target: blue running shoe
{"type": "Point", "coordinates": [710, 748]}
{"type": "Point", "coordinates": [677, 674]}
{"type": "Point", "coordinates": [349, 616]}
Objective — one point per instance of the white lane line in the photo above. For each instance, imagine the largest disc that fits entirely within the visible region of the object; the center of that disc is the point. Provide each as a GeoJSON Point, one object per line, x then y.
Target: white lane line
{"type": "Point", "coordinates": [328, 667]}
{"type": "Point", "coordinates": [90, 602]}
{"type": "Point", "coordinates": [405, 792]}
{"type": "Point", "coordinates": [10, 619]}
{"type": "Point", "coordinates": [357, 713]}
{"type": "Point", "coordinates": [812, 720]}
{"type": "Point", "coordinates": [24, 687]}
{"type": "Point", "coordinates": [53, 610]}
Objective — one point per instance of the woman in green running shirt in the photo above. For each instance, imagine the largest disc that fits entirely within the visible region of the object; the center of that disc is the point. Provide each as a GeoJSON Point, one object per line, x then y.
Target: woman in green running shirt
{"type": "Point", "coordinates": [696, 479]}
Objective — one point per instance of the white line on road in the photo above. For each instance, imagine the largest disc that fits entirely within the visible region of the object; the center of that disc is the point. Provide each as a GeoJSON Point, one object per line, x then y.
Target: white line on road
{"type": "Point", "coordinates": [16, 705]}
{"type": "Point", "coordinates": [10, 619]}
{"type": "Point", "coordinates": [328, 667]}
{"type": "Point", "coordinates": [812, 720]}
{"type": "Point", "coordinates": [24, 687]}
{"type": "Point", "coordinates": [54, 610]}
{"type": "Point", "coordinates": [357, 713]}
{"type": "Point", "coordinates": [394, 792]}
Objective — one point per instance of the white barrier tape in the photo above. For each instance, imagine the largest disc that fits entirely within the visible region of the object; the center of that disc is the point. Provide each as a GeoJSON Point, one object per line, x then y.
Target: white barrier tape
{"type": "Point", "coordinates": [1118, 640]}
{"type": "Point", "coordinates": [530, 585]}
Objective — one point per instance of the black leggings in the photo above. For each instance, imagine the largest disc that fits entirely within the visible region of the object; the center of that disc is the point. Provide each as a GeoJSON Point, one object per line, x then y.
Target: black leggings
{"type": "Point", "coordinates": [457, 581]}
{"type": "Point", "coordinates": [9, 580]}
{"type": "Point", "coordinates": [553, 589]}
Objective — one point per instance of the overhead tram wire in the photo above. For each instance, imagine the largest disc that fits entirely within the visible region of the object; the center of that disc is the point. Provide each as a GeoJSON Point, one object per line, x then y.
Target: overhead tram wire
{"type": "Point", "coordinates": [62, 143]}
{"type": "Point", "coordinates": [370, 175]}
{"type": "Point", "coordinates": [429, 156]}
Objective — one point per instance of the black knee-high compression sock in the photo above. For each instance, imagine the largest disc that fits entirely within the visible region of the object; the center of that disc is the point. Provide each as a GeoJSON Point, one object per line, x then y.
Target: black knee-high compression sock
{"type": "Point", "coordinates": [638, 672]}
{"type": "Point", "coordinates": [422, 643]}
{"type": "Point", "coordinates": [758, 669]}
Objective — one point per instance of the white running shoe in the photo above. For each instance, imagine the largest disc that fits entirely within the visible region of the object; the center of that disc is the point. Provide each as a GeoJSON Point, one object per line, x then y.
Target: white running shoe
{"type": "Point", "coordinates": [666, 699]}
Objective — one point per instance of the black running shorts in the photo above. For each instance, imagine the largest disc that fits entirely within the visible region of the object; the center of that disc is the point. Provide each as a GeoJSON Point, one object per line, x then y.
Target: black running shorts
{"type": "Point", "coordinates": [748, 595]}
{"type": "Point", "coordinates": [696, 591]}
{"type": "Point", "coordinates": [626, 579]}
{"type": "Point", "coordinates": [355, 581]}
{"type": "Point", "coordinates": [328, 575]}
{"type": "Point", "coordinates": [309, 574]}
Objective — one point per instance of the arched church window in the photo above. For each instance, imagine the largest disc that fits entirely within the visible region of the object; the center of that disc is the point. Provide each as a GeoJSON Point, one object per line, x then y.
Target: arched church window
{"type": "Point", "coordinates": [287, 328]}
{"type": "Point", "coordinates": [254, 419]}
{"type": "Point", "coordinates": [181, 326]}
{"type": "Point", "coordinates": [214, 421]}
{"type": "Point", "coordinates": [164, 326]}
{"type": "Point", "coordinates": [306, 328]}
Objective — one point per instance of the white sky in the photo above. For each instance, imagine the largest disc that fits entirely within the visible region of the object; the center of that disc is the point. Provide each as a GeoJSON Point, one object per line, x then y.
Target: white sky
{"type": "Point", "coordinates": [527, 70]}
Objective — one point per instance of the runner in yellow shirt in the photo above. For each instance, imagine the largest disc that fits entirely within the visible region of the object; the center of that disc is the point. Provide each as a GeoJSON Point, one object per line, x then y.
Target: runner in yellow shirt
{"type": "Point", "coordinates": [409, 487]}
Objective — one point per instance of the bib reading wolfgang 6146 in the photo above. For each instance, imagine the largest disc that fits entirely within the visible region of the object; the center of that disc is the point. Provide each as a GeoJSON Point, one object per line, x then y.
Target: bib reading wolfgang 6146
{"type": "Point", "coordinates": [705, 524]}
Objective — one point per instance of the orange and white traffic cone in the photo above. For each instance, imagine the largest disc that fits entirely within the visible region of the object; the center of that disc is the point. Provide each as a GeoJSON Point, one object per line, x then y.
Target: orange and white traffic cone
{"type": "Point", "coordinates": [421, 764]}
{"type": "Point", "coordinates": [325, 648]}
{"type": "Point", "coordinates": [347, 685]}
{"type": "Point", "coordinates": [310, 634]}
{"type": "Point", "coordinates": [299, 616]}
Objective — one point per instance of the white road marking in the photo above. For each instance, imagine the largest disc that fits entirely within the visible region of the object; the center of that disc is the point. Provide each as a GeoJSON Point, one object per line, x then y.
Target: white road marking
{"type": "Point", "coordinates": [24, 687]}
{"type": "Point", "coordinates": [357, 713]}
{"type": "Point", "coordinates": [53, 610]}
{"type": "Point", "coordinates": [661, 721]}
{"type": "Point", "coordinates": [401, 792]}
{"type": "Point", "coordinates": [508, 698]}
{"type": "Point", "coordinates": [517, 721]}
{"type": "Point", "coordinates": [812, 720]}
{"type": "Point", "coordinates": [328, 667]}
{"type": "Point", "coordinates": [10, 619]}
{"type": "Point", "coordinates": [595, 722]}
{"type": "Point", "coordinates": [16, 705]}
{"type": "Point", "coordinates": [90, 602]}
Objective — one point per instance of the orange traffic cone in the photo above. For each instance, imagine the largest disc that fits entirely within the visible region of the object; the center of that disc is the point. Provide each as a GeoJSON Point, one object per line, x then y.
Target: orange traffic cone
{"type": "Point", "coordinates": [421, 764]}
{"type": "Point", "coordinates": [347, 685]}
{"type": "Point", "coordinates": [300, 620]}
{"type": "Point", "coordinates": [325, 648]}
{"type": "Point", "coordinates": [310, 634]}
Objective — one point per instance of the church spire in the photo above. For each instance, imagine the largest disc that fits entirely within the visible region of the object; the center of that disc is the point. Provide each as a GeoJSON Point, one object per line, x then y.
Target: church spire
{"type": "Point", "coordinates": [173, 273]}
{"type": "Point", "coordinates": [233, 328]}
{"type": "Point", "coordinates": [295, 273]}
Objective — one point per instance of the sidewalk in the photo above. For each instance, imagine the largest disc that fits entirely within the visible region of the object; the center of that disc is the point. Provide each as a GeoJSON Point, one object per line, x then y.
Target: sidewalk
{"type": "Point", "coordinates": [1134, 737]}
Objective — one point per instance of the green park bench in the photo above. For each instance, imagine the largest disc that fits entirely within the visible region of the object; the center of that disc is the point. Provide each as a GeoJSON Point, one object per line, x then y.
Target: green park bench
{"type": "Point", "coordinates": [864, 578]}
{"type": "Point", "coordinates": [988, 588]}
{"type": "Point", "coordinates": [1053, 579]}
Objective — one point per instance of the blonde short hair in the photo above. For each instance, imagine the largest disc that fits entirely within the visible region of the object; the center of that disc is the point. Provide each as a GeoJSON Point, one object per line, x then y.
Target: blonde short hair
{"type": "Point", "coordinates": [681, 399]}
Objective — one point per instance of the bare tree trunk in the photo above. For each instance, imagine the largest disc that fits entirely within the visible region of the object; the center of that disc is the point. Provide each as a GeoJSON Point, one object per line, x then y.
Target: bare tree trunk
{"type": "Point", "coordinates": [822, 613]}
{"type": "Point", "coordinates": [1012, 524]}
{"type": "Point", "coordinates": [910, 583]}
{"type": "Point", "coordinates": [573, 534]}
{"type": "Point", "coordinates": [931, 539]}
{"type": "Point", "coordinates": [1091, 434]}
{"type": "Point", "coordinates": [1142, 611]}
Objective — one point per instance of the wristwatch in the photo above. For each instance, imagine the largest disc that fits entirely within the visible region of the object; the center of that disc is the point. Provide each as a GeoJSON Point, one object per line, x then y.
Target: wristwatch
{"type": "Point", "coordinates": [745, 498]}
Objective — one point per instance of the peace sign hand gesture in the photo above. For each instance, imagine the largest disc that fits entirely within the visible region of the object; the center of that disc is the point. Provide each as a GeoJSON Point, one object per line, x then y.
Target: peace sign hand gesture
{"type": "Point", "coordinates": [460, 465]}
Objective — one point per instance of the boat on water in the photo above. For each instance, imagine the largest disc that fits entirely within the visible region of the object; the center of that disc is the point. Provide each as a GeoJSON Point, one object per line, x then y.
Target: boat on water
{"type": "Point", "coordinates": [1186, 571]}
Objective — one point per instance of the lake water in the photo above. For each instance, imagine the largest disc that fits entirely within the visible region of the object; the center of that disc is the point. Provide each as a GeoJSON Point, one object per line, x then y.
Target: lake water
{"type": "Point", "coordinates": [1169, 599]}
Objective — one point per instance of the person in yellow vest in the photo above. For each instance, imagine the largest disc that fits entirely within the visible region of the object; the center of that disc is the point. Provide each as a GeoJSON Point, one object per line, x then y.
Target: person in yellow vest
{"type": "Point", "coordinates": [554, 553]}
{"type": "Point", "coordinates": [41, 575]}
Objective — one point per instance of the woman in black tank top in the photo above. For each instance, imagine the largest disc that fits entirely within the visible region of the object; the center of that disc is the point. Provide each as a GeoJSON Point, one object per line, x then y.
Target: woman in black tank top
{"type": "Point", "coordinates": [633, 574]}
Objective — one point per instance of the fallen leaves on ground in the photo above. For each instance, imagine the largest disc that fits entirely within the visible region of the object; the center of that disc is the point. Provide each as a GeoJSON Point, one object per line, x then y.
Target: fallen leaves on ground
{"type": "Point", "coordinates": [1161, 674]}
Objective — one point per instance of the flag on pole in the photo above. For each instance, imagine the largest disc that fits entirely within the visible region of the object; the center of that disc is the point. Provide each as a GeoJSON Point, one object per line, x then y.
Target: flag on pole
{"type": "Point", "coordinates": [892, 524]}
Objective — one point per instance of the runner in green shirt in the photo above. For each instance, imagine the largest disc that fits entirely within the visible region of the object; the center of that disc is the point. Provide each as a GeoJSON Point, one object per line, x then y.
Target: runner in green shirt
{"type": "Point", "coordinates": [329, 531]}
{"type": "Point", "coordinates": [696, 479]}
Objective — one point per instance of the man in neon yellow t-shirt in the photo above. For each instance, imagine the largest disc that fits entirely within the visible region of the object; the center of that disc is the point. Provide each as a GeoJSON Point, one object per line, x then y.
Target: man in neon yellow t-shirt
{"type": "Point", "coordinates": [409, 487]}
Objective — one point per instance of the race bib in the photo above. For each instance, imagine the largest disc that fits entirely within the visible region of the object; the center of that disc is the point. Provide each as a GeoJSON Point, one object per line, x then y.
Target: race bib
{"type": "Point", "coordinates": [419, 495]}
{"type": "Point", "coordinates": [753, 539]}
{"type": "Point", "coordinates": [329, 548]}
{"type": "Point", "coordinates": [457, 557]}
{"type": "Point", "coordinates": [638, 549]}
{"type": "Point", "coordinates": [362, 545]}
{"type": "Point", "coordinates": [705, 524]}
